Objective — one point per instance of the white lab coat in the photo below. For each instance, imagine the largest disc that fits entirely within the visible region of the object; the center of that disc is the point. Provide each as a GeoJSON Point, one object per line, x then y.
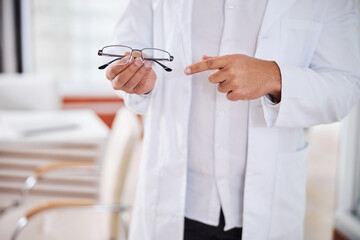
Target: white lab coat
{"type": "Point", "coordinates": [314, 43]}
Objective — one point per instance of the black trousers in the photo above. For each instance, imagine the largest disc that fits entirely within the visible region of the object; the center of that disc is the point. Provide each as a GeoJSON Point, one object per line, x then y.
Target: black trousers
{"type": "Point", "coordinates": [195, 230]}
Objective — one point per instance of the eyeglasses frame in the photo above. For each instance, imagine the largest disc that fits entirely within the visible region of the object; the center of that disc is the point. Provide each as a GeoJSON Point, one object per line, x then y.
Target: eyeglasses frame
{"type": "Point", "coordinates": [119, 57]}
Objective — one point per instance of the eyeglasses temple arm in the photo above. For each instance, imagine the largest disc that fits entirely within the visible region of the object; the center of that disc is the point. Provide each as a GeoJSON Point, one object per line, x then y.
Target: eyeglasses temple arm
{"type": "Point", "coordinates": [162, 65]}
{"type": "Point", "coordinates": [107, 64]}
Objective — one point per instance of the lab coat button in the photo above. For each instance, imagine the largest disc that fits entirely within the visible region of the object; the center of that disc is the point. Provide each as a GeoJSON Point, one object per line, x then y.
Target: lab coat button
{"type": "Point", "coordinates": [186, 92]}
{"type": "Point", "coordinates": [254, 173]}
{"type": "Point", "coordinates": [220, 147]}
{"type": "Point", "coordinates": [221, 113]}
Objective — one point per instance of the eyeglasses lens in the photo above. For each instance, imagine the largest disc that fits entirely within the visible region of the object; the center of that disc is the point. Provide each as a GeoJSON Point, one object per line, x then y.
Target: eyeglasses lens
{"type": "Point", "coordinates": [156, 54]}
{"type": "Point", "coordinates": [116, 55]}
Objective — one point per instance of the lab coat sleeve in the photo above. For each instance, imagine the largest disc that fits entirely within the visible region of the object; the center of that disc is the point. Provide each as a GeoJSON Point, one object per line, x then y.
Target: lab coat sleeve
{"type": "Point", "coordinates": [135, 29]}
{"type": "Point", "coordinates": [271, 109]}
{"type": "Point", "coordinates": [326, 91]}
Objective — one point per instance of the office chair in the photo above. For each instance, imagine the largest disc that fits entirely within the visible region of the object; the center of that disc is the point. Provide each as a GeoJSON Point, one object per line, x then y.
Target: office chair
{"type": "Point", "coordinates": [123, 143]}
{"type": "Point", "coordinates": [26, 92]}
{"type": "Point", "coordinates": [38, 174]}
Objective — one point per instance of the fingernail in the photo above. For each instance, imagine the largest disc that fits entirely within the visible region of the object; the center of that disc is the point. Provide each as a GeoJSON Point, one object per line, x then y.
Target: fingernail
{"type": "Point", "coordinates": [148, 64]}
{"type": "Point", "coordinates": [187, 70]}
{"type": "Point", "coordinates": [138, 62]}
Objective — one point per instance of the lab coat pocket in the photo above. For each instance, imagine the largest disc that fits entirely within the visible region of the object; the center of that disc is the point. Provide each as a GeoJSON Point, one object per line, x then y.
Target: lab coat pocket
{"type": "Point", "coordinates": [290, 194]}
{"type": "Point", "coordinates": [298, 41]}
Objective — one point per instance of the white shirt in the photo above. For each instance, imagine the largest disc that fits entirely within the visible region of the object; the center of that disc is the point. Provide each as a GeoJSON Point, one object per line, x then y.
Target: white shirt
{"type": "Point", "coordinates": [217, 126]}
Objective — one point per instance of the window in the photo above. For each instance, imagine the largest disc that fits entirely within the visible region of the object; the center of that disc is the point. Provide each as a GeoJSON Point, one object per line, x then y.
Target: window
{"type": "Point", "coordinates": [66, 35]}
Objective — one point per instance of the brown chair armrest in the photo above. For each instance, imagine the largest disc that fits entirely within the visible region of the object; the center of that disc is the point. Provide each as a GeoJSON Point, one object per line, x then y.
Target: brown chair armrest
{"type": "Point", "coordinates": [42, 170]}
{"type": "Point", "coordinates": [48, 205]}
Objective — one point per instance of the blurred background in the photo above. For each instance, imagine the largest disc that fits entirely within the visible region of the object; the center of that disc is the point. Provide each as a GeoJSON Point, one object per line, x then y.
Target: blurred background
{"type": "Point", "coordinates": [59, 117]}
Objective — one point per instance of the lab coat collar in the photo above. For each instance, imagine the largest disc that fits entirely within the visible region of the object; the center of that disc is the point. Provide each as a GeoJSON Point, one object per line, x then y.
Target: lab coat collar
{"type": "Point", "coordinates": [274, 9]}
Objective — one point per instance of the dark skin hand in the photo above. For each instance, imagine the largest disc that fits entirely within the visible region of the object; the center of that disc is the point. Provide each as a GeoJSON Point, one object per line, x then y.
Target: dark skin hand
{"type": "Point", "coordinates": [241, 77]}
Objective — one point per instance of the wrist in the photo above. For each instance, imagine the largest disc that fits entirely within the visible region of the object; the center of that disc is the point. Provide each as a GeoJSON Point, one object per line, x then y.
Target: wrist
{"type": "Point", "coordinates": [275, 82]}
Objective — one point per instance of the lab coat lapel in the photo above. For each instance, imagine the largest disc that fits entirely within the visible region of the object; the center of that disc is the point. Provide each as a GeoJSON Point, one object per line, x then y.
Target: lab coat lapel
{"type": "Point", "coordinates": [183, 10]}
{"type": "Point", "coordinates": [274, 9]}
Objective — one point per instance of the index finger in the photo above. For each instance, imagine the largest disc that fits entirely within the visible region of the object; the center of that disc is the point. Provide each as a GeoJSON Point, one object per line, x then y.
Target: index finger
{"type": "Point", "coordinates": [205, 65]}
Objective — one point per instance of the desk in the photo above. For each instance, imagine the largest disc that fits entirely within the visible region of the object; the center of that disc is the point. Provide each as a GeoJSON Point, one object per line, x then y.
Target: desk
{"type": "Point", "coordinates": [32, 138]}
{"type": "Point", "coordinates": [64, 126]}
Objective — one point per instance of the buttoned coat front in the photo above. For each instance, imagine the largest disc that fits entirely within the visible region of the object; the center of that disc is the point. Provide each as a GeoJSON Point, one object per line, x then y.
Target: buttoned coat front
{"type": "Point", "coordinates": [314, 43]}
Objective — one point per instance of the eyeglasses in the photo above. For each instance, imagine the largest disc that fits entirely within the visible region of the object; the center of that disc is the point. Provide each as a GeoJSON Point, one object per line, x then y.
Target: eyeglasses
{"type": "Point", "coordinates": [116, 55]}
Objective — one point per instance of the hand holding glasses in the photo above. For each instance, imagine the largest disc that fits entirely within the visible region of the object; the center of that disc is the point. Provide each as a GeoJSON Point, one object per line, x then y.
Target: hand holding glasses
{"type": "Point", "coordinates": [130, 70]}
{"type": "Point", "coordinates": [115, 54]}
